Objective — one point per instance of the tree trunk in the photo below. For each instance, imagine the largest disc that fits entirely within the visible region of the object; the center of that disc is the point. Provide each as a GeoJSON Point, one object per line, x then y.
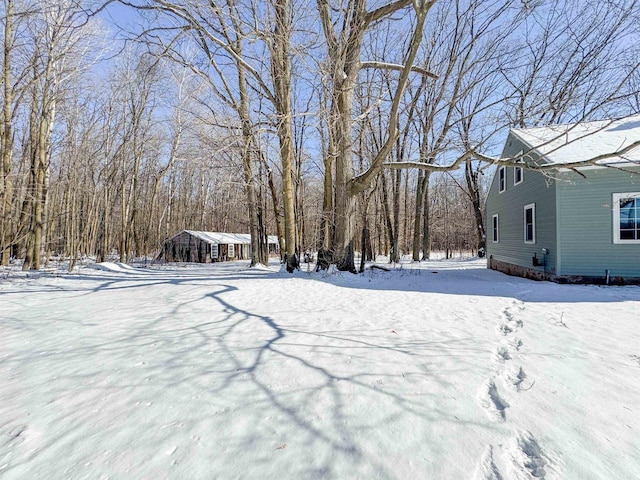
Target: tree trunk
{"type": "Point", "coordinates": [395, 245]}
{"type": "Point", "coordinates": [473, 188]}
{"type": "Point", "coordinates": [387, 215]}
{"type": "Point", "coordinates": [276, 211]}
{"type": "Point", "coordinates": [417, 225]}
{"type": "Point", "coordinates": [6, 141]}
{"type": "Point", "coordinates": [426, 237]}
{"type": "Point", "coordinates": [280, 68]}
{"type": "Point", "coordinates": [247, 169]}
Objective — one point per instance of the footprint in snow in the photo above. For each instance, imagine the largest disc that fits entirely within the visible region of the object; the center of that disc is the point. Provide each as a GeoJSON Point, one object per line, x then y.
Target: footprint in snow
{"type": "Point", "coordinates": [528, 460]}
{"type": "Point", "coordinates": [513, 378]}
{"type": "Point", "coordinates": [487, 469]}
{"type": "Point", "coordinates": [490, 400]}
{"type": "Point", "coordinates": [510, 317]}
{"type": "Point", "coordinates": [506, 313]}
{"type": "Point", "coordinates": [502, 354]}
{"type": "Point", "coordinates": [518, 304]}
{"type": "Point", "coordinates": [504, 328]}
{"type": "Point", "coordinates": [516, 343]}
{"type": "Point", "coordinates": [510, 326]}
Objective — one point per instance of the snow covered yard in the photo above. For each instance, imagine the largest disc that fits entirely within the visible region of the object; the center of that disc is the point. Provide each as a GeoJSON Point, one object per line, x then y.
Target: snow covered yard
{"type": "Point", "coordinates": [440, 371]}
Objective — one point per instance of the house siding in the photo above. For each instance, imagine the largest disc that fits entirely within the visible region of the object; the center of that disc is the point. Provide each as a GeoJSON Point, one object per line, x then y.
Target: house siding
{"type": "Point", "coordinates": [585, 223]}
{"type": "Point", "coordinates": [509, 206]}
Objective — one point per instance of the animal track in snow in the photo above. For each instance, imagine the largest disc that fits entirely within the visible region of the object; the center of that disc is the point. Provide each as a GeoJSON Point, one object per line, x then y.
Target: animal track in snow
{"type": "Point", "coordinates": [516, 343]}
{"type": "Point", "coordinates": [510, 318]}
{"type": "Point", "coordinates": [490, 400]}
{"type": "Point", "coordinates": [514, 378]}
{"type": "Point", "coordinates": [487, 469]}
{"type": "Point", "coordinates": [504, 328]}
{"type": "Point", "coordinates": [502, 354]}
{"type": "Point", "coordinates": [527, 458]}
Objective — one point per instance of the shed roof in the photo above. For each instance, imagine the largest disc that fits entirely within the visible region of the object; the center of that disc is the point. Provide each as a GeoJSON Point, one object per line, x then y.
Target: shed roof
{"type": "Point", "coordinates": [227, 238]}
{"type": "Point", "coordinates": [562, 144]}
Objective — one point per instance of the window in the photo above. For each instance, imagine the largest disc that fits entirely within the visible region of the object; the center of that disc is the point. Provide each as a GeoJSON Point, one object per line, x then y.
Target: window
{"type": "Point", "coordinates": [496, 234]}
{"type": "Point", "coordinates": [502, 179]}
{"type": "Point", "coordinates": [518, 175]}
{"type": "Point", "coordinates": [530, 223]}
{"type": "Point", "coordinates": [626, 217]}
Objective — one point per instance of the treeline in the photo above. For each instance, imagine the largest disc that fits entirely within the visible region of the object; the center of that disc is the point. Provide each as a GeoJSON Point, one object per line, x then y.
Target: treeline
{"type": "Point", "coordinates": [329, 124]}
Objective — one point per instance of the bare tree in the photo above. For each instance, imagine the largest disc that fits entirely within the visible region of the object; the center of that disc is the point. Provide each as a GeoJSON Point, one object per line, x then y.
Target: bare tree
{"type": "Point", "coordinates": [221, 33]}
{"type": "Point", "coordinates": [59, 42]}
{"type": "Point", "coordinates": [344, 37]}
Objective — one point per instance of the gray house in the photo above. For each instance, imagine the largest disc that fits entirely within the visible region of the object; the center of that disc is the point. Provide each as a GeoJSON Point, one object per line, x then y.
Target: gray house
{"type": "Point", "coordinates": [572, 223]}
{"type": "Point", "coordinates": [207, 247]}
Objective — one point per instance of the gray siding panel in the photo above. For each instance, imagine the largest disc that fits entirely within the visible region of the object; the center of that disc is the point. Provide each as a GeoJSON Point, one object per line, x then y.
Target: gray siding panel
{"type": "Point", "coordinates": [585, 224]}
{"type": "Point", "coordinates": [509, 205]}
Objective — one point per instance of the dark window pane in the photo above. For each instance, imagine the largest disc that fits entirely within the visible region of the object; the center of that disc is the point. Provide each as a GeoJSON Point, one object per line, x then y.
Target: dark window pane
{"type": "Point", "coordinates": [627, 223]}
{"type": "Point", "coordinates": [627, 234]}
{"type": "Point", "coordinates": [528, 215]}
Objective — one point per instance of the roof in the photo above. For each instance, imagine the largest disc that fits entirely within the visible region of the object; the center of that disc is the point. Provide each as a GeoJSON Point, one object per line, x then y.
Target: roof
{"type": "Point", "coordinates": [563, 144]}
{"type": "Point", "coordinates": [227, 238]}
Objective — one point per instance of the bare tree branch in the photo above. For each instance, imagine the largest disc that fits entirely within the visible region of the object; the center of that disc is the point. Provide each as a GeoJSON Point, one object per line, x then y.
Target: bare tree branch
{"type": "Point", "coordinates": [398, 68]}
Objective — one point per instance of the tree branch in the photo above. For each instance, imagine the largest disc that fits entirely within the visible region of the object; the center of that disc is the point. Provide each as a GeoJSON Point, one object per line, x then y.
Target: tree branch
{"type": "Point", "coordinates": [398, 67]}
{"type": "Point", "coordinates": [385, 10]}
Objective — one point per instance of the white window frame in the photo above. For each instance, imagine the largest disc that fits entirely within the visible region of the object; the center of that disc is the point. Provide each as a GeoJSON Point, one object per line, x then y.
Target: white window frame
{"type": "Point", "coordinates": [616, 217]}
{"type": "Point", "coordinates": [502, 179]}
{"type": "Point", "coordinates": [516, 169]}
{"type": "Point", "coordinates": [532, 207]}
{"type": "Point", "coordinates": [495, 228]}
{"type": "Point", "coordinates": [231, 250]}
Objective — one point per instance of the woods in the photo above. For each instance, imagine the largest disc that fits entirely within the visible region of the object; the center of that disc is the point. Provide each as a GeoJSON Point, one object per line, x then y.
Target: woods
{"type": "Point", "coordinates": [331, 124]}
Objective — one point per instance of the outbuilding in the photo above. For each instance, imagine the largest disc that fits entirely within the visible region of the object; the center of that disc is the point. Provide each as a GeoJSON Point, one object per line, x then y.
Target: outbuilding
{"type": "Point", "coordinates": [206, 247]}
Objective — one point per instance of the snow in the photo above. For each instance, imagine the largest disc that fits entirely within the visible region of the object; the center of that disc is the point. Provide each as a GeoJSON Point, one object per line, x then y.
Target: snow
{"type": "Point", "coordinates": [583, 141]}
{"type": "Point", "coordinates": [444, 370]}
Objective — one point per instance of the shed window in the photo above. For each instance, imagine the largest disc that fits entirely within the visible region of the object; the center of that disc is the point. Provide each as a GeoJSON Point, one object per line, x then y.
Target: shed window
{"type": "Point", "coordinates": [502, 179]}
{"type": "Point", "coordinates": [626, 217]}
{"type": "Point", "coordinates": [496, 233]}
{"type": "Point", "coordinates": [518, 175]}
{"type": "Point", "coordinates": [530, 223]}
